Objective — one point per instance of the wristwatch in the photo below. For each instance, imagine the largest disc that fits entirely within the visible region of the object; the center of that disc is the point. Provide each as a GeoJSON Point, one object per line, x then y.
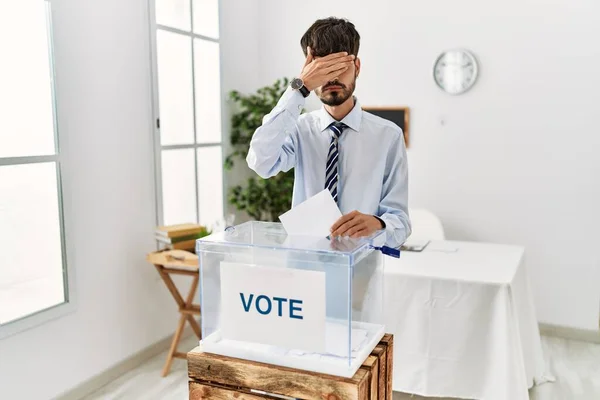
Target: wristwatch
{"type": "Point", "coordinates": [298, 84]}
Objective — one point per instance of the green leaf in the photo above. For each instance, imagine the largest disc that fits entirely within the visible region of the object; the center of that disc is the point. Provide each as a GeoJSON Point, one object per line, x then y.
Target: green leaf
{"type": "Point", "coordinates": [262, 199]}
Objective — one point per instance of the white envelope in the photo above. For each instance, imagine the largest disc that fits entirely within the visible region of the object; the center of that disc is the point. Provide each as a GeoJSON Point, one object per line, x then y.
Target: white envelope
{"type": "Point", "coordinates": [313, 217]}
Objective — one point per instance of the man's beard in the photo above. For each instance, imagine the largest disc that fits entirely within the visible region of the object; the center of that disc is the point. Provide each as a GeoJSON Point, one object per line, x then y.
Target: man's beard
{"type": "Point", "coordinates": [338, 96]}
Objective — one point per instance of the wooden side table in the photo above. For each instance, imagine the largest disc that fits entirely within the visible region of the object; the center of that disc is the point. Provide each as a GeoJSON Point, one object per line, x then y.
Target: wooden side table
{"type": "Point", "coordinates": [178, 262]}
{"type": "Point", "coordinates": [219, 377]}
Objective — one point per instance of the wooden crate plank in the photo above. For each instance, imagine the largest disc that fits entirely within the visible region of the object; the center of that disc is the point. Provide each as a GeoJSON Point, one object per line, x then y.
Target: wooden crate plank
{"type": "Point", "coordinates": [237, 373]}
{"type": "Point", "coordinates": [229, 378]}
{"type": "Point", "coordinates": [201, 391]}
{"type": "Point", "coordinates": [363, 388]}
{"type": "Point", "coordinates": [380, 352]}
{"type": "Point", "coordinates": [371, 364]}
{"type": "Point", "coordinates": [388, 340]}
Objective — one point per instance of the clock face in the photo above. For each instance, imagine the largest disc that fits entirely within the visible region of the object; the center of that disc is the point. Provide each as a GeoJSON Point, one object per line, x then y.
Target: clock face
{"type": "Point", "coordinates": [455, 71]}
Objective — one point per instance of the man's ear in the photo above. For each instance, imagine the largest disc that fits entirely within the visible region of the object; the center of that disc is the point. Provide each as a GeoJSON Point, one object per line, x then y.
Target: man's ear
{"type": "Point", "coordinates": [357, 65]}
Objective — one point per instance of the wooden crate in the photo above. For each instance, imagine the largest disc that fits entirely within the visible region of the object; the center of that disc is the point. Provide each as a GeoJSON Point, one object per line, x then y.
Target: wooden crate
{"type": "Point", "coordinates": [218, 377]}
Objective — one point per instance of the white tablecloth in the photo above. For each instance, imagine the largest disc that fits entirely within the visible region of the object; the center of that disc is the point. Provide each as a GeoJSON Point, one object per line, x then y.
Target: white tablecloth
{"type": "Point", "coordinates": [463, 321]}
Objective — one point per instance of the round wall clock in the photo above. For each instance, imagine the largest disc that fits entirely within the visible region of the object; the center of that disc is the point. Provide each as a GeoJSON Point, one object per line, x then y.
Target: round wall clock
{"type": "Point", "coordinates": [455, 71]}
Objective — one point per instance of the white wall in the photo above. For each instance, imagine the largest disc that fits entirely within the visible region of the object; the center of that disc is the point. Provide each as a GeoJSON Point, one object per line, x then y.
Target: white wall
{"type": "Point", "coordinates": [514, 160]}
{"type": "Point", "coordinates": [104, 100]}
{"type": "Point", "coordinates": [240, 71]}
{"type": "Point", "coordinates": [104, 94]}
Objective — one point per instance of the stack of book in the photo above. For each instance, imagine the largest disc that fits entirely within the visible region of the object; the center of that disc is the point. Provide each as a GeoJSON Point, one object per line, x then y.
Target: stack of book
{"type": "Point", "coordinates": [180, 236]}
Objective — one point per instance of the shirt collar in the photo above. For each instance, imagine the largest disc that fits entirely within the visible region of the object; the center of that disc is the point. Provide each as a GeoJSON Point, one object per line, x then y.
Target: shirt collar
{"type": "Point", "coordinates": [352, 120]}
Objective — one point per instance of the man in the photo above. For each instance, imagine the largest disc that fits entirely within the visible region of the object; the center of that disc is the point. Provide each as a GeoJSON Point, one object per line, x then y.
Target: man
{"type": "Point", "coordinates": [358, 156]}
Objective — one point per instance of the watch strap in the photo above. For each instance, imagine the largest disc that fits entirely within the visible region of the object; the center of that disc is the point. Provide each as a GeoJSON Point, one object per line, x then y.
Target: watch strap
{"type": "Point", "coordinates": [305, 92]}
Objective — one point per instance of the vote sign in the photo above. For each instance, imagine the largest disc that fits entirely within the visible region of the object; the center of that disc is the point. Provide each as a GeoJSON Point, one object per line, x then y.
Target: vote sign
{"type": "Point", "coordinates": [275, 306]}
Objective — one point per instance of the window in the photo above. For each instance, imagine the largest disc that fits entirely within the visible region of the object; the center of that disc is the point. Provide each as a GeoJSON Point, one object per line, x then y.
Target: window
{"type": "Point", "coordinates": [187, 106]}
{"type": "Point", "coordinates": [33, 274]}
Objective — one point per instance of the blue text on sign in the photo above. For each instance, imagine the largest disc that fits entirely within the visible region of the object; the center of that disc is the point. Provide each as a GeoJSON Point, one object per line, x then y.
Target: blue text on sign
{"type": "Point", "coordinates": [264, 305]}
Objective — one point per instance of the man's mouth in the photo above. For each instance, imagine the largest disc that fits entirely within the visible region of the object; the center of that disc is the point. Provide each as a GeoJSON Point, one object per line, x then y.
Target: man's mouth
{"type": "Point", "coordinates": [333, 87]}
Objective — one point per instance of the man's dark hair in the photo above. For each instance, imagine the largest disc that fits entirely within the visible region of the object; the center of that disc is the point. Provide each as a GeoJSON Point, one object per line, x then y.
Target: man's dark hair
{"type": "Point", "coordinates": [331, 35]}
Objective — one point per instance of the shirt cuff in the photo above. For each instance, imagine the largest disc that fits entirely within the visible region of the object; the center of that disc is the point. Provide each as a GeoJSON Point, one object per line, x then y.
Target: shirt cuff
{"type": "Point", "coordinates": [383, 225]}
{"type": "Point", "coordinates": [395, 233]}
{"type": "Point", "coordinates": [293, 101]}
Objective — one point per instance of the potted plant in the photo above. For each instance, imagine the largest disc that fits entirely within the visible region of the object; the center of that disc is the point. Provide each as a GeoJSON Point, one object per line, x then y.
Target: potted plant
{"type": "Point", "coordinates": [261, 199]}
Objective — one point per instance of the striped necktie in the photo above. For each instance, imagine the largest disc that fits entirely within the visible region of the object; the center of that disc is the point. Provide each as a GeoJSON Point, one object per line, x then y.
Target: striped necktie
{"type": "Point", "coordinates": [331, 171]}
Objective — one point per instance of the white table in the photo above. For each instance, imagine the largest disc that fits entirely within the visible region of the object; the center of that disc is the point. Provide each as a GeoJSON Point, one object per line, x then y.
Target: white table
{"type": "Point", "coordinates": [463, 321]}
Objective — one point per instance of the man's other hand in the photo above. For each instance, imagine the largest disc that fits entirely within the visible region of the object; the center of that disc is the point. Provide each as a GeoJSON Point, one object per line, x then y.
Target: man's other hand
{"type": "Point", "coordinates": [316, 73]}
{"type": "Point", "coordinates": [356, 224]}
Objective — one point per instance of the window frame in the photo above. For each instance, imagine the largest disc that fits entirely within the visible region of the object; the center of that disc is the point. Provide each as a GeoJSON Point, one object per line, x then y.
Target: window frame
{"type": "Point", "coordinates": [158, 147]}
{"type": "Point", "coordinates": [69, 303]}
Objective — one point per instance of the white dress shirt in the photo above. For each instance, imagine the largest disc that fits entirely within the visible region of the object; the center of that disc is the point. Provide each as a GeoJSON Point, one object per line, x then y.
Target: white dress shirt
{"type": "Point", "coordinates": [372, 167]}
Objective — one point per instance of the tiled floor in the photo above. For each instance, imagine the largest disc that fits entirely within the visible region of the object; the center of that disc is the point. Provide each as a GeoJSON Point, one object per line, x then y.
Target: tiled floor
{"type": "Point", "coordinates": [576, 366]}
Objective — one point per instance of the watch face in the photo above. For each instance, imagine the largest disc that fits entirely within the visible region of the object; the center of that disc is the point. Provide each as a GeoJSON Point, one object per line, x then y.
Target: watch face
{"type": "Point", "coordinates": [455, 71]}
{"type": "Point", "coordinates": [297, 83]}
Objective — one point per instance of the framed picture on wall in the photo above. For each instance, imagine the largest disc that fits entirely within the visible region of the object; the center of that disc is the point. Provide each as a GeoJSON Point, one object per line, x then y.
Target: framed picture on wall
{"type": "Point", "coordinates": [398, 115]}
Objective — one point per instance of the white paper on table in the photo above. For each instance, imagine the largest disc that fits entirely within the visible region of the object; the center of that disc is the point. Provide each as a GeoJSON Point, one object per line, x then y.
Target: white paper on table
{"type": "Point", "coordinates": [442, 247]}
{"type": "Point", "coordinates": [313, 217]}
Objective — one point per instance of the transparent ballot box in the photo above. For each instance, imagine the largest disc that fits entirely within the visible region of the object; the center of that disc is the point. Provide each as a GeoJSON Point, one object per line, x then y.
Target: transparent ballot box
{"type": "Point", "coordinates": [301, 302]}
